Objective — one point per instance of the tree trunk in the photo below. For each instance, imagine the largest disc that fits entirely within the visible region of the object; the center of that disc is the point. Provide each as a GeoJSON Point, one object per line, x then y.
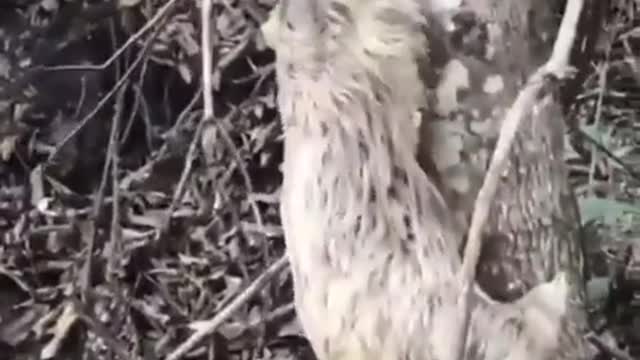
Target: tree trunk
{"type": "Point", "coordinates": [534, 224]}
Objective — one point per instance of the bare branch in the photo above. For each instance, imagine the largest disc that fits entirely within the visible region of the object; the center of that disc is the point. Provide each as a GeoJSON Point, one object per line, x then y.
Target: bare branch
{"type": "Point", "coordinates": [207, 61]}
{"type": "Point", "coordinates": [207, 327]}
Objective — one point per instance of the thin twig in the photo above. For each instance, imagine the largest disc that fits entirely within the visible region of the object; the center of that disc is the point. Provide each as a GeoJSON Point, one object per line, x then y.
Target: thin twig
{"type": "Point", "coordinates": [156, 19]}
{"type": "Point", "coordinates": [603, 70]}
{"type": "Point", "coordinates": [184, 176]}
{"type": "Point", "coordinates": [557, 65]}
{"type": "Point", "coordinates": [206, 328]}
{"type": "Point", "coordinates": [207, 60]}
{"type": "Point", "coordinates": [207, 71]}
{"type": "Point", "coordinates": [98, 201]}
{"type": "Point", "coordinates": [105, 99]}
{"type": "Point", "coordinates": [208, 113]}
{"type": "Point", "coordinates": [604, 347]}
{"type": "Point", "coordinates": [113, 152]}
{"type": "Point", "coordinates": [119, 348]}
{"type": "Point", "coordinates": [597, 145]}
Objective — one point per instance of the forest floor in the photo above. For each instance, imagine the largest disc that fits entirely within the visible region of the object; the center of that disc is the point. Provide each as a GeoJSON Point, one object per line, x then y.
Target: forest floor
{"type": "Point", "coordinates": [106, 92]}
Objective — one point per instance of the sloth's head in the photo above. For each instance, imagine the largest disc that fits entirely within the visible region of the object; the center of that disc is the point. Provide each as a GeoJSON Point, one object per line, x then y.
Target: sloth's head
{"type": "Point", "coordinates": [355, 51]}
{"type": "Point", "coordinates": [327, 28]}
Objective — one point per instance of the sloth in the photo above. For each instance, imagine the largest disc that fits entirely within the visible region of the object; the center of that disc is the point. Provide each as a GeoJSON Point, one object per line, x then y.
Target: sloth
{"type": "Point", "coordinates": [371, 239]}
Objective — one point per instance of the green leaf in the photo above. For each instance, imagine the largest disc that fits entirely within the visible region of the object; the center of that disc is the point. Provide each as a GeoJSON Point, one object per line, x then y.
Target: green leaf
{"type": "Point", "coordinates": [598, 289]}
{"type": "Point", "coordinates": [598, 134]}
{"type": "Point", "coordinates": [607, 210]}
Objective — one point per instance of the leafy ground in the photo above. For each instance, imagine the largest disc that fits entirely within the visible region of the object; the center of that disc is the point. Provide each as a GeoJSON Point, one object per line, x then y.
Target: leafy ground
{"type": "Point", "coordinates": [91, 270]}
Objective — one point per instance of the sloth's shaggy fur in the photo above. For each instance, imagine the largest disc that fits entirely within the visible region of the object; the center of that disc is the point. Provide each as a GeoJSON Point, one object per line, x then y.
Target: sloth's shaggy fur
{"type": "Point", "coordinates": [371, 242]}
